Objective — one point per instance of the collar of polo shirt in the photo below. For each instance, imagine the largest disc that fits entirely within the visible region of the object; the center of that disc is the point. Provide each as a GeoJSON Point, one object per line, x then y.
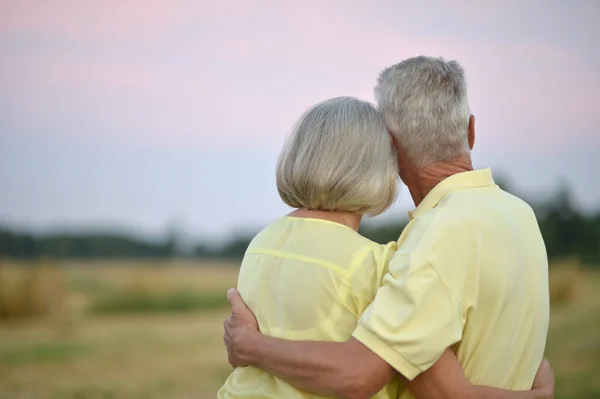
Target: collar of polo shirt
{"type": "Point", "coordinates": [470, 179]}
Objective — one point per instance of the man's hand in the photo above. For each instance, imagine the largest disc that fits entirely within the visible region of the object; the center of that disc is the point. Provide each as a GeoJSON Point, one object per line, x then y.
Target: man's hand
{"type": "Point", "coordinates": [240, 329]}
{"type": "Point", "coordinates": [544, 381]}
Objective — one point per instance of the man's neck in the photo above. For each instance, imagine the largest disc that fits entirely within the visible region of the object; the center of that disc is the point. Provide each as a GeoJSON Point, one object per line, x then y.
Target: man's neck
{"type": "Point", "coordinates": [423, 180]}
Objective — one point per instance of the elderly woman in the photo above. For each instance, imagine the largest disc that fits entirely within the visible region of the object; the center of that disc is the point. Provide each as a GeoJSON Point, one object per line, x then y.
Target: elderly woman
{"type": "Point", "coordinates": [309, 275]}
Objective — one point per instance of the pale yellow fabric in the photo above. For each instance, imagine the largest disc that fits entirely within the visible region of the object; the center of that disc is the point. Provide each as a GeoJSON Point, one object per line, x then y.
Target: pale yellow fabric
{"type": "Point", "coordinates": [471, 272]}
{"type": "Point", "coordinates": [306, 279]}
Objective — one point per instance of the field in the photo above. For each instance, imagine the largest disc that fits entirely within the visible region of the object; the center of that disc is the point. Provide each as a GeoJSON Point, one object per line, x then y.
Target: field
{"type": "Point", "coordinates": [153, 330]}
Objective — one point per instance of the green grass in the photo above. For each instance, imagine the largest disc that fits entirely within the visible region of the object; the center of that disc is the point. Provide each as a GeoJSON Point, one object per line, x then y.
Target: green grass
{"type": "Point", "coordinates": [42, 352]}
{"type": "Point", "coordinates": [573, 346]}
{"type": "Point", "coordinates": [155, 389]}
{"type": "Point", "coordinates": [148, 333]}
{"type": "Point", "coordinates": [176, 301]}
{"type": "Point", "coordinates": [91, 287]}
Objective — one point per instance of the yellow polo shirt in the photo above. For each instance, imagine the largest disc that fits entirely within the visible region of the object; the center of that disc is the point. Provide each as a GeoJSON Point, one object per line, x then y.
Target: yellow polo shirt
{"type": "Point", "coordinates": [470, 272]}
{"type": "Point", "coordinates": [306, 279]}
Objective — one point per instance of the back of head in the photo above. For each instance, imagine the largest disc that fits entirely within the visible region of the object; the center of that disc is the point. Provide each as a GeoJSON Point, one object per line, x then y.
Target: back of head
{"type": "Point", "coordinates": [339, 158]}
{"type": "Point", "coordinates": [424, 103]}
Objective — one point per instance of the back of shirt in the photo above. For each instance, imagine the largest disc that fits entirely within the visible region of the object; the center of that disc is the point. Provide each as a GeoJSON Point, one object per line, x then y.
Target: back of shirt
{"type": "Point", "coordinates": [306, 279]}
{"type": "Point", "coordinates": [470, 273]}
{"type": "Point", "coordinates": [507, 318]}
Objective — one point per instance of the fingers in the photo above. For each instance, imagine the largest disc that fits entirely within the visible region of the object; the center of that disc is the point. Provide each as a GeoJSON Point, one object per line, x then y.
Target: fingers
{"type": "Point", "coordinates": [545, 368]}
{"type": "Point", "coordinates": [230, 292]}
{"type": "Point", "coordinates": [236, 328]}
{"type": "Point", "coordinates": [546, 364]}
{"type": "Point", "coordinates": [226, 327]}
{"type": "Point", "coordinates": [228, 343]}
{"type": "Point", "coordinates": [543, 365]}
{"type": "Point", "coordinates": [544, 378]}
{"type": "Point", "coordinates": [237, 303]}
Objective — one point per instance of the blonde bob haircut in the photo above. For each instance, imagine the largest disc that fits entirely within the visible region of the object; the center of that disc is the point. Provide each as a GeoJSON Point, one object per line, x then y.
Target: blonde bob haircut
{"type": "Point", "coordinates": [339, 157]}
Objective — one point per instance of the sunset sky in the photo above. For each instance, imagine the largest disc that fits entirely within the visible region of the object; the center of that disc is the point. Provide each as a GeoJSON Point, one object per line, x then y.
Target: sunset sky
{"type": "Point", "coordinates": [136, 113]}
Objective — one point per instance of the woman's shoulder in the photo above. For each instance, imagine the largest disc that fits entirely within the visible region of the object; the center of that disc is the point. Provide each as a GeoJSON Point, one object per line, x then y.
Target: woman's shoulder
{"type": "Point", "coordinates": [346, 244]}
{"type": "Point", "coordinates": [376, 255]}
{"type": "Point", "coordinates": [322, 240]}
{"type": "Point", "coordinates": [311, 231]}
{"type": "Point", "coordinates": [271, 230]}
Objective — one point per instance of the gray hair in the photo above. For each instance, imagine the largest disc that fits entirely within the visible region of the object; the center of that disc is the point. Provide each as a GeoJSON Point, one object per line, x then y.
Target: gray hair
{"type": "Point", "coordinates": [424, 104]}
{"type": "Point", "coordinates": [339, 158]}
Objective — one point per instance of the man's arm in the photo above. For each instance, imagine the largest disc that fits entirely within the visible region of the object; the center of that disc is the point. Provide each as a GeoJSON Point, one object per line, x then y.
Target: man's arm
{"type": "Point", "coordinates": [446, 379]}
{"type": "Point", "coordinates": [345, 370]}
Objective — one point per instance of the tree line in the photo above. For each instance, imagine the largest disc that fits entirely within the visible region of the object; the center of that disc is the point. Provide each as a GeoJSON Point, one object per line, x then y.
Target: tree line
{"type": "Point", "coordinates": [567, 231]}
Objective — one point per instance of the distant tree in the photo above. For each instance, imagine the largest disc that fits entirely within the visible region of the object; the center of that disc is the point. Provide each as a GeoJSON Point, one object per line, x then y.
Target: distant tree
{"type": "Point", "coordinates": [236, 247]}
{"type": "Point", "coordinates": [566, 231]}
{"type": "Point", "coordinates": [18, 245]}
{"type": "Point", "coordinates": [384, 233]}
{"type": "Point", "coordinates": [205, 251]}
{"type": "Point", "coordinates": [504, 182]}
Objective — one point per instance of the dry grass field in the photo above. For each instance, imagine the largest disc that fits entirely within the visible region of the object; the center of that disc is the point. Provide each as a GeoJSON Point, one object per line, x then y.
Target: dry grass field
{"type": "Point", "coordinates": [153, 330]}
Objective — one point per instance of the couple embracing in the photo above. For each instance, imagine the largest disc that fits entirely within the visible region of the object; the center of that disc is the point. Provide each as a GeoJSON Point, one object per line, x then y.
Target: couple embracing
{"type": "Point", "coordinates": [458, 307]}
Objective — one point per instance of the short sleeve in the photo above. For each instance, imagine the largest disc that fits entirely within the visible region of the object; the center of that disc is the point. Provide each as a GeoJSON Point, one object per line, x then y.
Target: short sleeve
{"type": "Point", "coordinates": [368, 273]}
{"type": "Point", "coordinates": [413, 318]}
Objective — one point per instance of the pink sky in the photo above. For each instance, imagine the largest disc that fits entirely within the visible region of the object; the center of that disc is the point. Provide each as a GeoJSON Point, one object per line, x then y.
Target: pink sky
{"type": "Point", "coordinates": [221, 76]}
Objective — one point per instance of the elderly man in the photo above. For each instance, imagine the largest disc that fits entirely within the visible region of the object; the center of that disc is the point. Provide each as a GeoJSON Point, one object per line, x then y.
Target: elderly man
{"type": "Point", "coordinates": [470, 273]}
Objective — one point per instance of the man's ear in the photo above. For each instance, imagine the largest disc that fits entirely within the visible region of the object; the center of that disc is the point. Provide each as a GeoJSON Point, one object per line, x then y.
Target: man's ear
{"type": "Point", "coordinates": [398, 148]}
{"type": "Point", "coordinates": [393, 140]}
{"type": "Point", "coordinates": [471, 131]}
{"type": "Point", "coordinates": [396, 145]}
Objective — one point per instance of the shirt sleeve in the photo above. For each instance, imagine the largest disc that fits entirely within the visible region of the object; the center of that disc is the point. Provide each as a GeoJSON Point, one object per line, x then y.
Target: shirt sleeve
{"type": "Point", "coordinates": [368, 273]}
{"type": "Point", "coordinates": [413, 318]}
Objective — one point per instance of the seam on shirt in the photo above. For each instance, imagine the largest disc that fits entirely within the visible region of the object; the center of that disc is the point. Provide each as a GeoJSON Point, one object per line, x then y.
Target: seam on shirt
{"type": "Point", "coordinates": [358, 260]}
{"type": "Point", "coordinates": [389, 248]}
{"type": "Point", "coordinates": [380, 265]}
{"type": "Point", "coordinates": [350, 293]}
{"type": "Point", "coordinates": [341, 294]}
{"type": "Point", "coordinates": [354, 267]}
{"type": "Point", "coordinates": [328, 265]}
